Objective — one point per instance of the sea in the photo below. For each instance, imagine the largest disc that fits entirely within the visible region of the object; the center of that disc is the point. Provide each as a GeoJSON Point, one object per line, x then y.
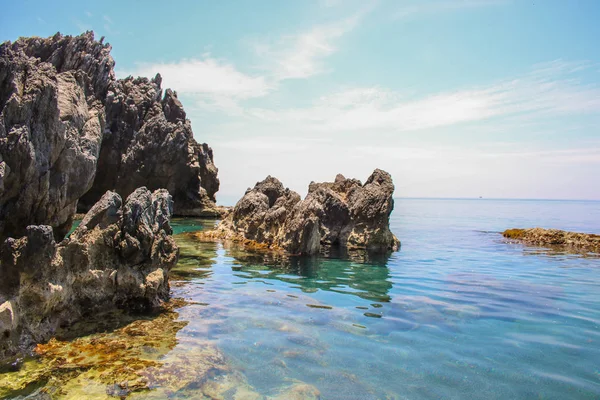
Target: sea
{"type": "Point", "coordinates": [458, 313]}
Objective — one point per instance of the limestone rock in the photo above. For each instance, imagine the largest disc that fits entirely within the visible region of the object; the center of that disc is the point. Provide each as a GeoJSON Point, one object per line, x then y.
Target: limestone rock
{"type": "Point", "coordinates": [69, 128]}
{"type": "Point", "coordinates": [573, 241]}
{"type": "Point", "coordinates": [148, 141]}
{"type": "Point", "coordinates": [342, 213]}
{"type": "Point", "coordinates": [119, 256]}
{"type": "Point", "coordinates": [51, 124]}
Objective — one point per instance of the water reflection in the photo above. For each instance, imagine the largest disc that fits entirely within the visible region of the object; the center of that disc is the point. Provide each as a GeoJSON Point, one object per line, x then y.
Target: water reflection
{"type": "Point", "coordinates": [356, 273]}
{"type": "Point", "coordinates": [181, 225]}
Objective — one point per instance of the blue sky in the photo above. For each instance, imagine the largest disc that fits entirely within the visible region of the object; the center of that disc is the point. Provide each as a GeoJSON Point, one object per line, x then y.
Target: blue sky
{"type": "Point", "coordinates": [456, 98]}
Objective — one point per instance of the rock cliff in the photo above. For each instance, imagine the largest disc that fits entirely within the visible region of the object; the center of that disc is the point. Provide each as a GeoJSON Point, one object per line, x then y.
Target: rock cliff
{"type": "Point", "coordinates": [119, 256]}
{"type": "Point", "coordinates": [69, 128]}
{"type": "Point", "coordinates": [342, 213]}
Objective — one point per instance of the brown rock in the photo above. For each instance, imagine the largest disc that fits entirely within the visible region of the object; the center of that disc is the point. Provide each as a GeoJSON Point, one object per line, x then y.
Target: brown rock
{"type": "Point", "coordinates": [574, 241]}
{"type": "Point", "coordinates": [342, 213]}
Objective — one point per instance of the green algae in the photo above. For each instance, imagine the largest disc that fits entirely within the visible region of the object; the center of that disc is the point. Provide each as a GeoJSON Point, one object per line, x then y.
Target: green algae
{"type": "Point", "coordinates": [119, 357]}
{"type": "Point", "coordinates": [514, 233]}
{"type": "Point", "coordinates": [135, 360]}
{"type": "Point", "coordinates": [319, 306]}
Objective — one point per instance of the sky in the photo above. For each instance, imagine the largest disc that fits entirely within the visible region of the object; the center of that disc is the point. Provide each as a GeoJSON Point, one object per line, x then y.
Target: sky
{"type": "Point", "coordinates": [455, 98]}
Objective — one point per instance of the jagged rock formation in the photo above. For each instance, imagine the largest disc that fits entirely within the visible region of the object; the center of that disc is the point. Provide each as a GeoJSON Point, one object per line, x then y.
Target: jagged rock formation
{"type": "Point", "coordinates": [51, 125]}
{"type": "Point", "coordinates": [68, 127]}
{"type": "Point", "coordinates": [149, 142]}
{"type": "Point", "coordinates": [574, 241]}
{"type": "Point", "coordinates": [119, 256]}
{"type": "Point", "coordinates": [342, 213]}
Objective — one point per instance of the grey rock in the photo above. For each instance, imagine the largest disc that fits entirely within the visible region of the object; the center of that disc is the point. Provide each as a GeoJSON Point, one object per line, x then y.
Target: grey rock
{"type": "Point", "coordinates": [69, 130]}
{"type": "Point", "coordinates": [51, 125]}
{"type": "Point", "coordinates": [343, 213]}
{"type": "Point", "coordinates": [149, 142]}
{"type": "Point", "coordinates": [119, 257]}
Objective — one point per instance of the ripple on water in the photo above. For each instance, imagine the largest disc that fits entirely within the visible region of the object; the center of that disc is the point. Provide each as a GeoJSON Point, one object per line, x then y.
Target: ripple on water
{"type": "Point", "coordinates": [456, 314]}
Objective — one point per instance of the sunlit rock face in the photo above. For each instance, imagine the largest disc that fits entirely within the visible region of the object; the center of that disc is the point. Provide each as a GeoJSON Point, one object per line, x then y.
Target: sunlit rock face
{"type": "Point", "coordinates": [51, 126]}
{"type": "Point", "coordinates": [69, 128]}
{"type": "Point", "coordinates": [342, 213]}
{"type": "Point", "coordinates": [118, 257]}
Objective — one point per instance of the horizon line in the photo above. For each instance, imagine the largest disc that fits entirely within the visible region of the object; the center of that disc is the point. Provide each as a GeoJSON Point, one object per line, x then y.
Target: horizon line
{"type": "Point", "coordinates": [490, 198]}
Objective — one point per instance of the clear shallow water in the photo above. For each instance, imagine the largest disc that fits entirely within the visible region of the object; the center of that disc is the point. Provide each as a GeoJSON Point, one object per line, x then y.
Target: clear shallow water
{"type": "Point", "coordinates": [457, 313]}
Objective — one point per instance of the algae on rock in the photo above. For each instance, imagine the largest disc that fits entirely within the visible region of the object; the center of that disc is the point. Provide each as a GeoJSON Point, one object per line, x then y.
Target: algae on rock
{"type": "Point", "coordinates": [118, 257]}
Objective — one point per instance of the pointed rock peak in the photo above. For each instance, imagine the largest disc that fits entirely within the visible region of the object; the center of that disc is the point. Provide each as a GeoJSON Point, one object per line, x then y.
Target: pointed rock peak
{"type": "Point", "coordinates": [380, 177]}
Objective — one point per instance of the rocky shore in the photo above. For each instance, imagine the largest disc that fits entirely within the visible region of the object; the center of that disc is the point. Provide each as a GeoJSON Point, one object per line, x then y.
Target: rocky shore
{"type": "Point", "coordinates": [573, 241]}
{"type": "Point", "coordinates": [72, 136]}
{"type": "Point", "coordinates": [118, 257]}
{"type": "Point", "coordinates": [344, 213]}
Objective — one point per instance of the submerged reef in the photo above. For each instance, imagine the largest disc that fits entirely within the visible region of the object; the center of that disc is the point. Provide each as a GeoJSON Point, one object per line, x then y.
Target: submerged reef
{"type": "Point", "coordinates": [137, 359]}
{"type": "Point", "coordinates": [118, 257]}
{"type": "Point", "coordinates": [572, 241]}
{"type": "Point", "coordinates": [344, 213]}
{"type": "Point", "coordinates": [70, 131]}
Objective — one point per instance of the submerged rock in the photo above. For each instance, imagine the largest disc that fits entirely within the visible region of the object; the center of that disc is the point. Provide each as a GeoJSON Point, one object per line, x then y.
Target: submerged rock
{"type": "Point", "coordinates": [574, 241]}
{"type": "Point", "coordinates": [69, 128]}
{"type": "Point", "coordinates": [119, 256]}
{"type": "Point", "coordinates": [342, 213]}
{"type": "Point", "coordinates": [146, 358]}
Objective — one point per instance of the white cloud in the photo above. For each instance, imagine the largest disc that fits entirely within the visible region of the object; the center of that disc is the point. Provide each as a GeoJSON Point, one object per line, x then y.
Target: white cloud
{"type": "Point", "coordinates": [217, 85]}
{"type": "Point", "coordinates": [301, 56]}
{"type": "Point", "coordinates": [548, 90]}
{"type": "Point", "coordinates": [212, 81]}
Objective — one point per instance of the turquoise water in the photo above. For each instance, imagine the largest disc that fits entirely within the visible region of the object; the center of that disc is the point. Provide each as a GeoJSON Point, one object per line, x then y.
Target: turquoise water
{"type": "Point", "coordinates": [457, 313]}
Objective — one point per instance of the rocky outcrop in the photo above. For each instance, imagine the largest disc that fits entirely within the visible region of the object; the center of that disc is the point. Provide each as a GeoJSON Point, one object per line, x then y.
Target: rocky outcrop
{"type": "Point", "coordinates": [119, 256]}
{"type": "Point", "coordinates": [342, 213]}
{"type": "Point", "coordinates": [51, 126]}
{"type": "Point", "coordinates": [572, 241]}
{"type": "Point", "coordinates": [69, 128]}
{"type": "Point", "coordinates": [150, 142]}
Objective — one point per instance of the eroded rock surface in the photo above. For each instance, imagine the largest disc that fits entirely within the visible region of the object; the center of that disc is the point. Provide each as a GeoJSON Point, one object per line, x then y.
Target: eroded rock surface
{"type": "Point", "coordinates": [51, 126]}
{"type": "Point", "coordinates": [572, 241]}
{"type": "Point", "coordinates": [149, 141]}
{"type": "Point", "coordinates": [119, 256]}
{"type": "Point", "coordinates": [342, 213]}
{"type": "Point", "coordinates": [69, 128]}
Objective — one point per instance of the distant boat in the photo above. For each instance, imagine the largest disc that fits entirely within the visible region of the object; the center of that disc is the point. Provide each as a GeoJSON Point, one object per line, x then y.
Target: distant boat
{"type": "Point", "coordinates": [480, 197]}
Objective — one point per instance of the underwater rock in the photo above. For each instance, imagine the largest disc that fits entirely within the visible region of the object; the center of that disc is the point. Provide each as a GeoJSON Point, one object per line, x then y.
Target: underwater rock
{"type": "Point", "coordinates": [145, 358]}
{"type": "Point", "coordinates": [574, 241]}
{"type": "Point", "coordinates": [342, 213]}
{"type": "Point", "coordinates": [119, 256]}
{"type": "Point", "coordinates": [69, 128]}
